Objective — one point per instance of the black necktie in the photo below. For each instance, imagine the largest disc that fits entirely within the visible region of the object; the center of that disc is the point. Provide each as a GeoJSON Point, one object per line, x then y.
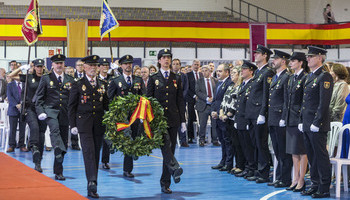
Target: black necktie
{"type": "Point", "coordinates": [128, 80]}
{"type": "Point", "coordinates": [295, 77]}
{"type": "Point", "coordinates": [59, 80]}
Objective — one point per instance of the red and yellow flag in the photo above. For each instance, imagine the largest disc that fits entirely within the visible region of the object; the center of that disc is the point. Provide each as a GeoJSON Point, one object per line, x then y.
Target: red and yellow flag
{"type": "Point", "coordinates": [144, 112]}
{"type": "Point", "coordinates": [31, 27]}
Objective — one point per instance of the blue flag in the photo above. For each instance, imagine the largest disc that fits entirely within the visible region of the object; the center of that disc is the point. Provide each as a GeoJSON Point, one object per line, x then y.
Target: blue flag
{"type": "Point", "coordinates": [108, 21]}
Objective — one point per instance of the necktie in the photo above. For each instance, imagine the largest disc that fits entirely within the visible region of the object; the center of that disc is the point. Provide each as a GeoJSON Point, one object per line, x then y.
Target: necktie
{"type": "Point", "coordinates": [80, 75]}
{"type": "Point", "coordinates": [295, 77]}
{"type": "Point", "coordinates": [196, 75]}
{"type": "Point", "coordinates": [166, 76]}
{"type": "Point", "coordinates": [275, 79]}
{"type": "Point", "coordinates": [310, 74]}
{"type": "Point", "coordinates": [209, 88]}
{"type": "Point", "coordinates": [243, 84]}
{"type": "Point", "coordinates": [145, 83]}
{"type": "Point", "coordinates": [19, 88]}
{"type": "Point", "coordinates": [60, 80]}
{"type": "Point", "coordinates": [128, 81]}
{"type": "Point", "coordinates": [92, 82]}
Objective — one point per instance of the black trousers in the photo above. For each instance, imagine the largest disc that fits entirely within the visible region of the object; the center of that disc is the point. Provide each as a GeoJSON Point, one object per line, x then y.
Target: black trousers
{"type": "Point", "coordinates": [91, 143]}
{"type": "Point", "coordinates": [105, 151]}
{"type": "Point", "coordinates": [14, 121]}
{"type": "Point", "coordinates": [263, 152]}
{"type": "Point", "coordinates": [285, 163]}
{"type": "Point", "coordinates": [59, 141]}
{"type": "Point", "coordinates": [237, 151]}
{"type": "Point", "coordinates": [320, 167]}
{"type": "Point", "coordinates": [37, 130]}
{"type": "Point", "coordinates": [128, 164]}
{"type": "Point", "coordinates": [191, 118]}
{"type": "Point", "coordinates": [248, 148]}
{"type": "Point", "coordinates": [226, 143]}
{"type": "Point", "coordinates": [74, 140]}
{"type": "Point", "coordinates": [170, 163]}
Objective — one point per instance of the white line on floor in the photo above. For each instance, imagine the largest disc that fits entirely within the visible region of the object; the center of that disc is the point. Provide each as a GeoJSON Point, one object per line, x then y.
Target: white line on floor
{"type": "Point", "coordinates": [272, 194]}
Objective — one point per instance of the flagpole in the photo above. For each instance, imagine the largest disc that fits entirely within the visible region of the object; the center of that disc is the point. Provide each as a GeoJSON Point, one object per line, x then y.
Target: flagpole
{"type": "Point", "coordinates": [25, 87]}
{"type": "Point", "coordinates": [110, 46]}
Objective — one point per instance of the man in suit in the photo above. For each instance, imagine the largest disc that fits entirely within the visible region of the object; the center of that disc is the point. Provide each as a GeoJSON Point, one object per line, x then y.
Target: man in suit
{"type": "Point", "coordinates": [122, 86]}
{"type": "Point", "coordinates": [256, 112]}
{"type": "Point", "coordinates": [205, 92]}
{"type": "Point", "coordinates": [226, 163]}
{"type": "Point", "coordinates": [145, 78]}
{"type": "Point", "coordinates": [166, 87]}
{"type": "Point", "coordinates": [52, 106]}
{"type": "Point", "coordinates": [87, 103]}
{"type": "Point", "coordinates": [192, 76]}
{"type": "Point", "coordinates": [79, 66]}
{"type": "Point", "coordinates": [175, 67]}
{"type": "Point", "coordinates": [277, 128]}
{"type": "Point", "coordinates": [14, 90]}
{"type": "Point", "coordinates": [315, 122]}
{"type": "Point", "coordinates": [246, 138]}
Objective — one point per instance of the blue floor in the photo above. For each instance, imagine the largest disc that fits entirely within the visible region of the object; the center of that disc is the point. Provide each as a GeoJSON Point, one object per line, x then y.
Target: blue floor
{"type": "Point", "coordinates": [199, 181]}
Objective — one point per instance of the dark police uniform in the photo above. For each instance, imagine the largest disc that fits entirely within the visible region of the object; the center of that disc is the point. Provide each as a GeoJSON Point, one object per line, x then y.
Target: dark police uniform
{"type": "Point", "coordinates": [169, 93]}
{"type": "Point", "coordinates": [246, 140]}
{"type": "Point", "coordinates": [87, 103]}
{"type": "Point", "coordinates": [315, 111]}
{"type": "Point", "coordinates": [37, 127]}
{"type": "Point", "coordinates": [119, 87]}
{"type": "Point", "coordinates": [257, 105]}
{"type": "Point", "coordinates": [52, 99]}
{"type": "Point", "coordinates": [278, 95]}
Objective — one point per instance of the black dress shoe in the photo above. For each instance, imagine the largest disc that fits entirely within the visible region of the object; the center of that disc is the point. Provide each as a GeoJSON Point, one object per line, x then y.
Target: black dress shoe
{"type": "Point", "coordinates": [319, 195]}
{"type": "Point", "coordinates": [93, 195]}
{"type": "Point", "coordinates": [92, 189]}
{"type": "Point", "coordinates": [201, 144]}
{"type": "Point", "coordinates": [76, 147]}
{"type": "Point", "coordinates": [166, 190]}
{"type": "Point", "coordinates": [249, 174]}
{"type": "Point", "coordinates": [292, 187]}
{"type": "Point", "coordinates": [309, 192]}
{"type": "Point", "coordinates": [219, 166]}
{"type": "Point", "coordinates": [282, 184]}
{"type": "Point", "coordinates": [128, 174]}
{"type": "Point", "coordinates": [242, 174]}
{"type": "Point", "coordinates": [38, 167]}
{"type": "Point", "coordinates": [176, 174]}
{"type": "Point", "coordinates": [190, 141]}
{"type": "Point", "coordinates": [105, 166]}
{"type": "Point", "coordinates": [300, 189]}
{"type": "Point", "coordinates": [217, 144]}
{"type": "Point", "coordinates": [252, 178]}
{"type": "Point", "coordinates": [262, 180]}
{"type": "Point", "coordinates": [225, 168]}
{"type": "Point", "coordinates": [273, 183]}
{"type": "Point", "coordinates": [36, 154]}
{"type": "Point", "coordinates": [60, 177]}
{"type": "Point", "coordinates": [184, 144]}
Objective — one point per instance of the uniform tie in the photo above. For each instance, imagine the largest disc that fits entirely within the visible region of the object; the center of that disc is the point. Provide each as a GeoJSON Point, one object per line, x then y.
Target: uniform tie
{"type": "Point", "coordinates": [128, 80]}
{"type": "Point", "coordinates": [166, 75]}
{"type": "Point", "coordinates": [60, 80]}
{"type": "Point", "coordinates": [92, 82]}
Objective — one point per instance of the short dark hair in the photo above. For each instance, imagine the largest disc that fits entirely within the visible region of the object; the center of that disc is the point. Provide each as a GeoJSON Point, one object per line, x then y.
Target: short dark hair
{"type": "Point", "coordinates": [328, 5]}
{"type": "Point", "coordinates": [176, 59]}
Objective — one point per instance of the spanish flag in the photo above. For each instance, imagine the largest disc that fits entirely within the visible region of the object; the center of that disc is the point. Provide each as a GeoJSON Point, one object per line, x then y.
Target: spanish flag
{"type": "Point", "coordinates": [108, 22]}
{"type": "Point", "coordinates": [31, 27]}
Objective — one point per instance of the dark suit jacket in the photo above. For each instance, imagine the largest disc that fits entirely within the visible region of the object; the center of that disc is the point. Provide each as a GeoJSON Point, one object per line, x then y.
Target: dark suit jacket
{"type": "Point", "coordinates": [144, 89]}
{"type": "Point", "coordinates": [119, 87]}
{"type": "Point", "coordinates": [317, 97]}
{"type": "Point", "coordinates": [242, 98]}
{"type": "Point", "coordinates": [219, 95]}
{"type": "Point", "coordinates": [259, 95]}
{"type": "Point", "coordinates": [169, 94]}
{"type": "Point", "coordinates": [14, 98]}
{"type": "Point", "coordinates": [87, 105]}
{"type": "Point", "coordinates": [52, 98]}
{"type": "Point", "coordinates": [201, 93]}
{"type": "Point", "coordinates": [292, 104]}
{"type": "Point", "coordinates": [278, 95]}
{"type": "Point", "coordinates": [76, 74]}
{"type": "Point", "coordinates": [192, 86]}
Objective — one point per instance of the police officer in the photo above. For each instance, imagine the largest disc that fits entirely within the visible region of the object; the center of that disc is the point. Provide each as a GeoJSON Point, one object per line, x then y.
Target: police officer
{"type": "Point", "coordinates": [165, 86]}
{"type": "Point", "coordinates": [256, 112]}
{"type": "Point", "coordinates": [103, 75]}
{"type": "Point", "coordinates": [87, 103]}
{"type": "Point", "coordinates": [52, 106]}
{"type": "Point", "coordinates": [315, 122]}
{"type": "Point", "coordinates": [122, 86]}
{"type": "Point", "coordinates": [277, 126]}
{"type": "Point", "coordinates": [37, 127]}
{"type": "Point", "coordinates": [242, 124]}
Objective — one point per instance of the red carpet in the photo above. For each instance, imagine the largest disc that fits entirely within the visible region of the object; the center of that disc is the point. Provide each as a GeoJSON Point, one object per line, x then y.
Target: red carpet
{"type": "Point", "coordinates": [18, 181]}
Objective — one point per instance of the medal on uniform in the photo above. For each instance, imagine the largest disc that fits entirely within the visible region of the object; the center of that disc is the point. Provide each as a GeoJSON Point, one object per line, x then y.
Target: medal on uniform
{"type": "Point", "coordinates": [267, 79]}
{"type": "Point", "coordinates": [120, 84]}
{"type": "Point", "coordinates": [83, 88]}
{"type": "Point", "coordinates": [175, 85]}
{"type": "Point", "coordinates": [313, 85]}
{"type": "Point", "coordinates": [33, 80]}
{"type": "Point", "coordinates": [278, 84]}
{"type": "Point", "coordinates": [157, 82]}
{"type": "Point", "coordinates": [101, 98]}
{"type": "Point", "coordinates": [51, 83]}
{"type": "Point", "coordinates": [298, 86]}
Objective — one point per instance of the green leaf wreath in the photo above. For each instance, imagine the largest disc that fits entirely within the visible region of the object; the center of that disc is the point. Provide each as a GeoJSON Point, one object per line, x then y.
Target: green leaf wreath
{"type": "Point", "coordinates": [120, 110]}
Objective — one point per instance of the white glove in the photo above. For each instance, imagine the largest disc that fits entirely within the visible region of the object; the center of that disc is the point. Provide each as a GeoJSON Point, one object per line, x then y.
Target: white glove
{"type": "Point", "coordinates": [314, 128]}
{"type": "Point", "coordinates": [24, 68]}
{"type": "Point", "coordinates": [183, 127]}
{"type": "Point", "coordinates": [282, 123]}
{"type": "Point", "coordinates": [114, 66]}
{"type": "Point", "coordinates": [42, 116]}
{"type": "Point", "coordinates": [300, 127]}
{"type": "Point", "coordinates": [260, 120]}
{"type": "Point", "coordinates": [247, 127]}
{"type": "Point", "coordinates": [74, 131]}
{"type": "Point", "coordinates": [235, 125]}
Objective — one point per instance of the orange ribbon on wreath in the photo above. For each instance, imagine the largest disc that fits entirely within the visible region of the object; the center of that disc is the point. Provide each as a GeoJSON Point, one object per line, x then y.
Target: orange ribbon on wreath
{"type": "Point", "coordinates": [143, 111]}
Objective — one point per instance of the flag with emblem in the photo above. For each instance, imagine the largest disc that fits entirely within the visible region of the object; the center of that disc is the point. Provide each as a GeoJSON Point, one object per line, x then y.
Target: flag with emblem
{"type": "Point", "coordinates": [108, 22]}
{"type": "Point", "coordinates": [31, 27]}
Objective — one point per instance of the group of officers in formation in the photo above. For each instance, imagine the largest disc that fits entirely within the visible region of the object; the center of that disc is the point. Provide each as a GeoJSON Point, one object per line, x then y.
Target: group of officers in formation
{"type": "Point", "coordinates": [287, 104]}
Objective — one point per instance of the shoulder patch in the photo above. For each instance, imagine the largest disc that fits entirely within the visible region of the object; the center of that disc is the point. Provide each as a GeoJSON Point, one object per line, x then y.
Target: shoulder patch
{"type": "Point", "coordinates": [327, 84]}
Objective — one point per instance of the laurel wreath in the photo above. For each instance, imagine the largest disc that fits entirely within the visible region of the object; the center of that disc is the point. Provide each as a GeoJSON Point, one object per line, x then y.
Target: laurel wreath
{"type": "Point", "coordinates": [120, 110]}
